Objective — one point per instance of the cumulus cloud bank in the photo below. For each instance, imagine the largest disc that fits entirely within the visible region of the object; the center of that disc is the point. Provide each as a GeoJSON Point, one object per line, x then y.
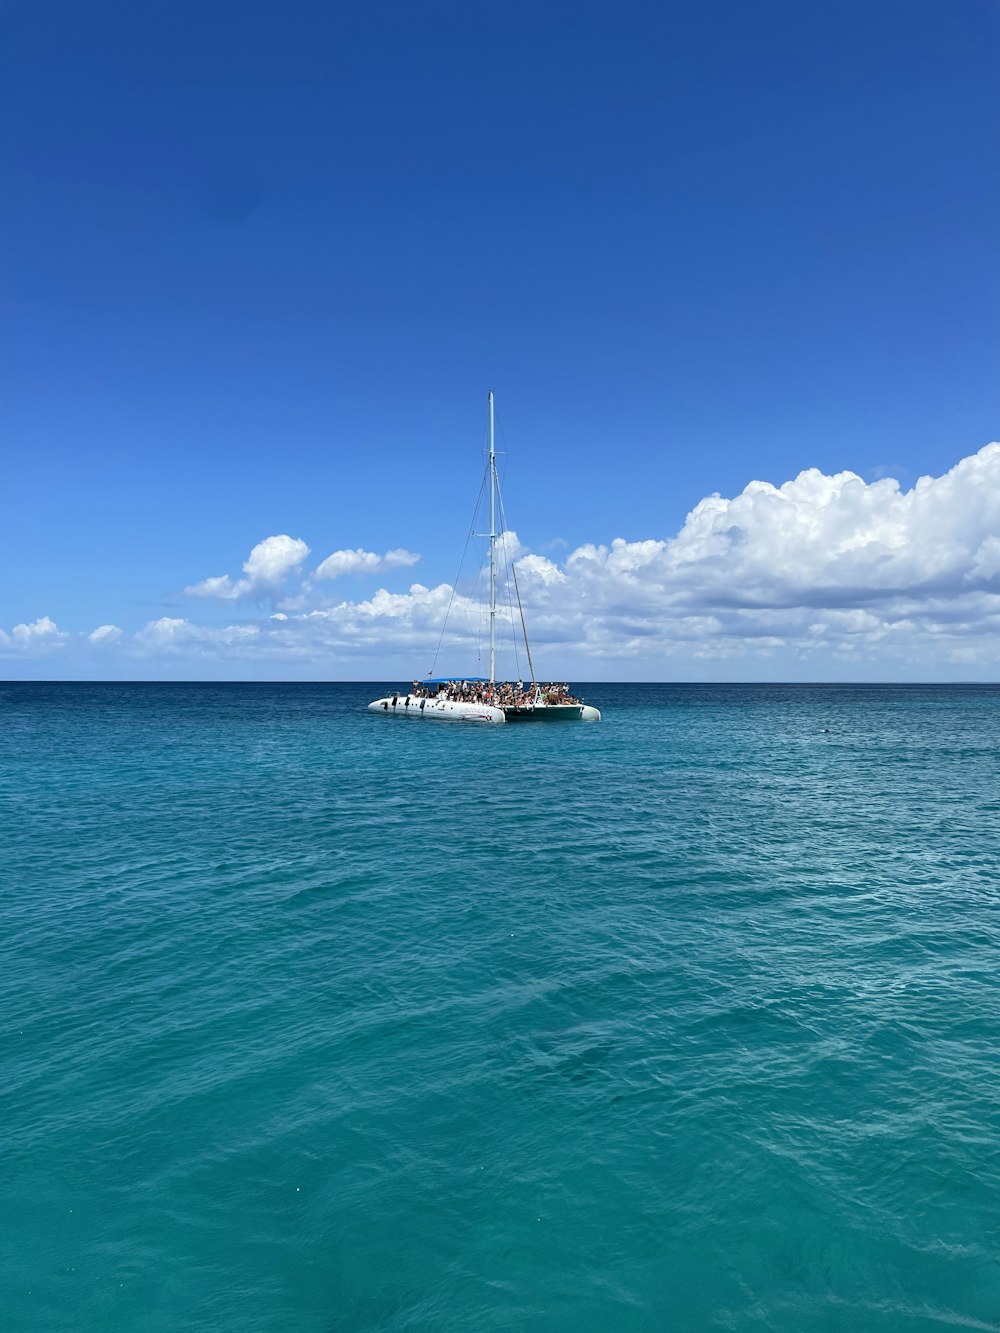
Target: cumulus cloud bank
{"type": "Point", "coordinates": [821, 559]}
{"type": "Point", "coordinates": [831, 541]}
{"type": "Point", "coordinates": [822, 569]}
{"type": "Point", "coordinates": [821, 564]}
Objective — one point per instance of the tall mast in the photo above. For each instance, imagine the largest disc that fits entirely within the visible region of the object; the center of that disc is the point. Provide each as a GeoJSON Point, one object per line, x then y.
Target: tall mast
{"type": "Point", "coordinates": [493, 549]}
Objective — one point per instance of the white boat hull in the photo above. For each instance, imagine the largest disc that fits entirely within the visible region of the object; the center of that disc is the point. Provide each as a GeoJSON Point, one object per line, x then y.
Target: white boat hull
{"type": "Point", "coordinates": [440, 710]}
{"type": "Point", "coordinates": [449, 710]}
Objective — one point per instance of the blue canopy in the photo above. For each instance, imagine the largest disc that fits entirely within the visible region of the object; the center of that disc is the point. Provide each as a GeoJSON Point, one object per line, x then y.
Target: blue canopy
{"type": "Point", "coordinates": [446, 680]}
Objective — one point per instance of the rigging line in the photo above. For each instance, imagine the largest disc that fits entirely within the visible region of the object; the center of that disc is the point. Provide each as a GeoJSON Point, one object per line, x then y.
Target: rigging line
{"type": "Point", "coordinates": [481, 631]}
{"type": "Point", "coordinates": [513, 570]}
{"type": "Point", "coordinates": [524, 628]}
{"type": "Point", "coordinates": [513, 626]}
{"type": "Point", "coordinates": [454, 586]}
{"type": "Point", "coordinates": [508, 563]}
{"type": "Point", "coordinates": [508, 566]}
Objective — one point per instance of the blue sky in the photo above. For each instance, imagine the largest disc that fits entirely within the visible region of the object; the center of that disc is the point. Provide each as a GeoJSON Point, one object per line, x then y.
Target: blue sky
{"type": "Point", "coordinates": [261, 263]}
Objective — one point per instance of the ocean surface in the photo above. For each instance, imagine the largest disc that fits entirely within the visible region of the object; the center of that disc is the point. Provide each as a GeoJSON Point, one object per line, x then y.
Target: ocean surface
{"type": "Point", "coordinates": [320, 1022]}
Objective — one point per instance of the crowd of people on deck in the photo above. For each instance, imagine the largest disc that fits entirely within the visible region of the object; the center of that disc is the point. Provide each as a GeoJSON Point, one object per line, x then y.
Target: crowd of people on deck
{"type": "Point", "coordinates": [501, 694]}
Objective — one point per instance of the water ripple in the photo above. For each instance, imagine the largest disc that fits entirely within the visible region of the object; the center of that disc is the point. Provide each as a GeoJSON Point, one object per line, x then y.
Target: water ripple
{"type": "Point", "coordinates": [319, 1021]}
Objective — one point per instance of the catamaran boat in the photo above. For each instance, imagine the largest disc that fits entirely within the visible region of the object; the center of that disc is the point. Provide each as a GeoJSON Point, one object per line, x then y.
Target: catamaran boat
{"type": "Point", "coordinates": [484, 699]}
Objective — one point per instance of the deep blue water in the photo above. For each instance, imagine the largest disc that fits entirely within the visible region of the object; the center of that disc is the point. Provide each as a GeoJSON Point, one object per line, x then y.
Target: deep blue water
{"type": "Point", "coordinates": [319, 1021]}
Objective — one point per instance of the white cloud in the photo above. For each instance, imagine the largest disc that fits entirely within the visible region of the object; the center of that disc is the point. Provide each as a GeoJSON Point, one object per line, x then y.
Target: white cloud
{"type": "Point", "coordinates": [219, 585]}
{"type": "Point", "coordinates": [43, 630]}
{"type": "Point", "coordinates": [166, 630]}
{"type": "Point", "coordinates": [825, 563]}
{"type": "Point", "coordinates": [820, 575]}
{"type": "Point", "coordinates": [817, 541]}
{"type": "Point", "coordinates": [821, 566]}
{"type": "Point", "coordinates": [509, 545]}
{"type": "Point", "coordinates": [174, 634]}
{"type": "Point", "coordinates": [267, 569]}
{"type": "Point", "coordinates": [277, 562]}
{"type": "Point", "coordinates": [539, 569]}
{"type": "Point", "coordinates": [364, 562]}
{"type": "Point", "coordinates": [273, 559]}
{"type": "Point", "coordinates": [42, 635]}
{"type": "Point", "coordinates": [105, 634]}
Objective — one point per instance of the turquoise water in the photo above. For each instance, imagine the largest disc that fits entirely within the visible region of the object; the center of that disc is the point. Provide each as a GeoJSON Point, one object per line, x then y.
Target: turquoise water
{"type": "Point", "coordinates": [316, 1020]}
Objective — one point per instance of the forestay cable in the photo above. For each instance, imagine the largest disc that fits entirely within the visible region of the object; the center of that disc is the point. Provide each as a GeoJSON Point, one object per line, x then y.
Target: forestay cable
{"type": "Point", "coordinates": [454, 586]}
